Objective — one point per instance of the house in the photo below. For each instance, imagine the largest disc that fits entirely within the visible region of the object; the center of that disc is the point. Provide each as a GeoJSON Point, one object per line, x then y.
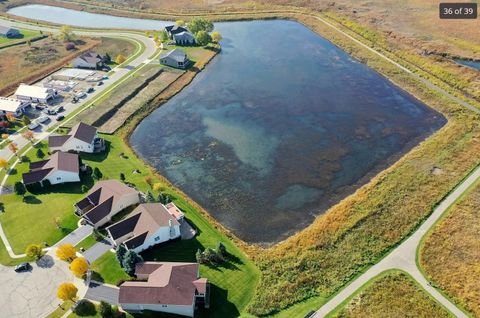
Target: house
{"type": "Point", "coordinates": [35, 94]}
{"type": "Point", "coordinates": [8, 32]}
{"type": "Point", "coordinates": [184, 38]}
{"type": "Point", "coordinates": [13, 106]}
{"type": "Point", "coordinates": [62, 167]}
{"type": "Point", "coordinates": [105, 200]}
{"type": "Point", "coordinates": [148, 225]}
{"type": "Point", "coordinates": [174, 288]}
{"type": "Point", "coordinates": [175, 58]}
{"type": "Point", "coordinates": [90, 60]}
{"type": "Point", "coordinates": [82, 138]}
{"type": "Point", "coordinates": [174, 29]}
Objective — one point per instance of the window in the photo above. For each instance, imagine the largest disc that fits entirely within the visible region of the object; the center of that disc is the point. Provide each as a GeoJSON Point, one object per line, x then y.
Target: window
{"type": "Point", "coordinates": [59, 178]}
{"type": "Point", "coordinates": [157, 239]}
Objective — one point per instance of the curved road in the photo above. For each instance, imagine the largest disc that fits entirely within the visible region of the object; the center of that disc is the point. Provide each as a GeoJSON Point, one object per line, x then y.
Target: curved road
{"type": "Point", "coordinates": [33, 294]}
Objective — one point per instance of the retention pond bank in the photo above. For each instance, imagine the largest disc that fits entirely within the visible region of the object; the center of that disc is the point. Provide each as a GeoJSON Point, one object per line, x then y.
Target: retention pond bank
{"type": "Point", "coordinates": [278, 128]}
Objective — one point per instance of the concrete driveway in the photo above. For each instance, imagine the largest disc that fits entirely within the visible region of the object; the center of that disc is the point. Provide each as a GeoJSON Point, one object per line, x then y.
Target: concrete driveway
{"type": "Point", "coordinates": [97, 250]}
{"type": "Point", "coordinates": [98, 292]}
{"type": "Point", "coordinates": [32, 294]}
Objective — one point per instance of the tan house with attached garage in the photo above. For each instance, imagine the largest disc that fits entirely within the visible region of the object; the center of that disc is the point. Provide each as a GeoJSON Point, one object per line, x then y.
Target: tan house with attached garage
{"type": "Point", "coordinates": [148, 225]}
{"type": "Point", "coordinates": [104, 200]}
{"type": "Point", "coordinates": [174, 288]}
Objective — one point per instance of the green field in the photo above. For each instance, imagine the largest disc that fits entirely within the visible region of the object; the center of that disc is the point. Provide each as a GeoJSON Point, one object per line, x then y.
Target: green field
{"type": "Point", "coordinates": [26, 34]}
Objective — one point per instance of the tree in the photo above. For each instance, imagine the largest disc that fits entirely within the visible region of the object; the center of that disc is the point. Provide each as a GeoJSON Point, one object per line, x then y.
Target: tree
{"type": "Point", "coordinates": [216, 36]}
{"type": "Point", "coordinates": [157, 187]}
{"type": "Point", "coordinates": [66, 252]}
{"type": "Point", "coordinates": [28, 134]}
{"type": "Point", "coordinates": [150, 198]}
{"type": "Point", "coordinates": [19, 188]}
{"type": "Point", "coordinates": [130, 260]}
{"type": "Point", "coordinates": [97, 174]}
{"type": "Point", "coordinates": [202, 38]}
{"type": "Point", "coordinates": [40, 153]}
{"type": "Point", "coordinates": [180, 23]}
{"type": "Point", "coordinates": [200, 24]}
{"type": "Point", "coordinates": [34, 251]}
{"type": "Point", "coordinates": [163, 36]}
{"type": "Point", "coordinates": [67, 291]}
{"type": "Point", "coordinates": [120, 251]}
{"type": "Point", "coordinates": [84, 188]}
{"type": "Point", "coordinates": [26, 121]}
{"type": "Point", "coordinates": [3, 163]}
{"type": "Point", "coordinates": [107, 58]}
{"type": "Point", "coordinates": [122, 177]}
{"type": "Point", "coordinates": [11, 117]}
{"type": "Point", "coordinates": [13, 148]}
{"type": "Point", "coordinates": [120, 59]}
{"type": "Point", "coordinates": [106, 310]}
{"type": "Point", "coordinates": [164, 198]}
{"type": "Point", "coordinates": [79, 267]}
{"type": "Point", "coordinates": [66, 34]}
{"type": "Point", "coordinates": [221, 249]}
{"type": "Point", "coordinates": [5, 136]}
{"type": "Point", "coordinates": [149, 180]}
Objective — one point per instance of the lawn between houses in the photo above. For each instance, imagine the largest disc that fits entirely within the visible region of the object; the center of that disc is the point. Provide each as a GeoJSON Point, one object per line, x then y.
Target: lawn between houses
{"type": "Point", "coordinates": [26, 35]}
{"type": "Point", "coordinates": [32, 221]}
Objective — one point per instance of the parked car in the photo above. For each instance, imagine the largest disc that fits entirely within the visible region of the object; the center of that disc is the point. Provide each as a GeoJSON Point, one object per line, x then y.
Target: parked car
{"type": "Point", "coordinates": [80, 94]}
{"type": "Point", "coordinates": [90, 90]}
{"type": "Point", "coordinates": [42, 119]}
{"type": "Point", "coordinates": [58, 109]}
{"type": "Point", "coordinates": [100, 83]}
{"type": "Point", "coordinates": [49, 111]}
{"type": "Point", "coordinates": [39, 107]}
{"type": "Point", "coordinates": [23, 267]}
{"type": "Point", "coordinates": [60, 117]}
{"type": "Point", "coordinates": [33, 126]}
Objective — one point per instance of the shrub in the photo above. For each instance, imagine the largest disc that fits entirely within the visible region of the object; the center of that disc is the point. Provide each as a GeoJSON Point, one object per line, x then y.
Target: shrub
{"type": "Point", "coordinates": [106, 310]}
{"type": "Point", "coordinates": [97, 174]}
{"type": "Point", "coordinates": [97, 235]}
{"type": "Point", "coordinates": [34, 251]}
{"type": "Point", "coordinates": [40, 153]}
{"type": "Point", "coordinates": [19, 188]}
{"type": "Point", "coordinates": [84, 188]}
{"type": "Point", "coordinates": [85, 308]}
{"type": "Point", "coordinates": [122, 177]}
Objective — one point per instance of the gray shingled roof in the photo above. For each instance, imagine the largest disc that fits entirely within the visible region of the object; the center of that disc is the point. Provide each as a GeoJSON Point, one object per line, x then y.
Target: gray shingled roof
{"type": "Point", "coordinates": [176, 54]}
{"type": "Point", "coordinates": [4, 29]}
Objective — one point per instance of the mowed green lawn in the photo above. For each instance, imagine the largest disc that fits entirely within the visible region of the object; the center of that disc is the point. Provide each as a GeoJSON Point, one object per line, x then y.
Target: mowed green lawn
{"type": "Point", "coordinates": [26, 34]}
{"type": "Point", "coordinates": [233, 283]}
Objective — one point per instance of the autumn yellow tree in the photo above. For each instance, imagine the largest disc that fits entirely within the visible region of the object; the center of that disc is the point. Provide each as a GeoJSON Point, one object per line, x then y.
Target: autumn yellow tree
{"type": "Point", "coordinates": [3, 163]}
{"type": "Point", "coordinates": [28, 134]}
{"type": "Point", "coordinates": [157, 187]}
{"type": "Point", "coordinates": [120, 59]}
{"type": "Point", "coordinates": [180, 23]}
{"type": "Point", "coordinates": [216, 36]}
{"type": "Point", "coordinates": [34, 251]}
{"type": "Point", "coordinates": [79, 267]}
{"type": "Point", "coordinates": [10, 117]}
{"type": "Point", "coordinates": [66, 252]}
{"type": "Point", "coordinates": [67, 291]}
{"type": "Point", "coordinates": [5, 136]}
{"type": "Point", "coordinates": [13, 148]}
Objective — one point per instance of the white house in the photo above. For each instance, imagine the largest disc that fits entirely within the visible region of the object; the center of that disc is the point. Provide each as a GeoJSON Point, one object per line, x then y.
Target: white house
{"type": "Point", "coordinates": [148, 225]}
{"type": "Point", "coordinates": [8, 32]}
{"type": "Point", "coordinates": [82, 138]}
{"type": "Point", "coordinates": [13, 105]}
{"type": "Point", "coordinates": [104, 200]}
{"type": "Point", "coordinates": [175, 58]}
{"type": "Point", "coordinates": [36, 94]}
{"type": "Point", "coordinates": [62, 167]}
{"type": "Point", "coordinates": [174, 288]}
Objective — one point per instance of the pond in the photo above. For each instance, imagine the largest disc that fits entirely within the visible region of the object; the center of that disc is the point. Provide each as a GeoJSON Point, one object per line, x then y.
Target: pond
{"type": "Point", "coordinates": [278, 128]}
{"type": "Point", "coordinates": [469, 63]}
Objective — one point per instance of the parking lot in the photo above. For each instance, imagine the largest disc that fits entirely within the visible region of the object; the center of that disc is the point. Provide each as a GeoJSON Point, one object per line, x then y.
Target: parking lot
{"type": "Point", "coordinates": [75, 88]}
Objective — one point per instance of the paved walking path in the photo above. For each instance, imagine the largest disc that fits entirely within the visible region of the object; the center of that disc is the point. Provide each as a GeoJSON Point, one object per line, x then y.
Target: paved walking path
{"type": "Point", "coordinates": [404, 257]}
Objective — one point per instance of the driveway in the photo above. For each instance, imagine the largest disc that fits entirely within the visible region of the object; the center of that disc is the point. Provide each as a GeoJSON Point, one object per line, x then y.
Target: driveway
{"type": "Point", "coordinates": [32, 294]}
{"type": "Point", "coordinates": [97, 250]}
{"type": "Point", "coordinates": [76, 236]}
{"type": "Point", "coordinates": [98, 292]}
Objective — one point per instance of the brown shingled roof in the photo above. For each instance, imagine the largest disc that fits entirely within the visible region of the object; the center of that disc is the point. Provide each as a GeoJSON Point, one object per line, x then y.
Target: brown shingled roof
{"type": "Point", "coordinates": [142, 223]}
{"type": "Point", "coordinates": [80, 131]}
{"type": "Point", "coordinates": [59, 161]}
{"type": "Point", "coordinates": [168, 283]}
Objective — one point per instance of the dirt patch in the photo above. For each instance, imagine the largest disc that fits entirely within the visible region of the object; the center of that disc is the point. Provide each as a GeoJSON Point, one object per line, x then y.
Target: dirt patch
{"type": "Point", "coordinates": [120, 115]}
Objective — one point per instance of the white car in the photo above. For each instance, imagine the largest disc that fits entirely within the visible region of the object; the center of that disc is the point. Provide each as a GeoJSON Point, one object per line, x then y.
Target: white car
{"type": "Point", "coordinates": [33, 126]}
{"type": "Point", "coordinates": [42, 119]}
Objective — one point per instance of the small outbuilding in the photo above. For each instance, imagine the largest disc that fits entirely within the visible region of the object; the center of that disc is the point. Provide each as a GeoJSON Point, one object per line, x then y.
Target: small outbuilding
{"type": "Point", "coordinates": [175, 58]}
{"type": "Point", "coordinates": [8, 32]}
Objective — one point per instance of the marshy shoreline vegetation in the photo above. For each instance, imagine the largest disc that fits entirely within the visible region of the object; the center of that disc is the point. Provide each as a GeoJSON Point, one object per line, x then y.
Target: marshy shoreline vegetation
{"type": "Point", "coordinates": [355, 233]}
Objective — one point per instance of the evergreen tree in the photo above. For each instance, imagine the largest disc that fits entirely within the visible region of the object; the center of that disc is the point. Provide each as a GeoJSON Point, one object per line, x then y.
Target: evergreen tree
{"type": "Point", "coordinates": [130, 260]}
{"type": "Point", "coordinates": [97, 174]}
{"type": "Point", "coordinates": [150, 198]}
{"type": "Point", "coordinates": [120, 252]}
